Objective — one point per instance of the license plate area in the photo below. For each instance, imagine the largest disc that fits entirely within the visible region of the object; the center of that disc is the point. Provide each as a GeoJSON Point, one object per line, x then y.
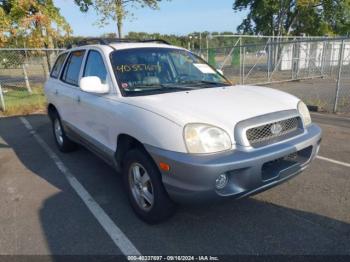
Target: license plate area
{"type": "Point", "coordinates": [272, 169]}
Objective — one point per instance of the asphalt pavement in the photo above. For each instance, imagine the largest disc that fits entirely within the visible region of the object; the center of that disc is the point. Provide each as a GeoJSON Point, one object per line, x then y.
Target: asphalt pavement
{"type": "Point", "coordinates": [42, 212]}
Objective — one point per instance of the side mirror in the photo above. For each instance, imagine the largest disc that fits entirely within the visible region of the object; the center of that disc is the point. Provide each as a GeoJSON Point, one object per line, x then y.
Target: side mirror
{"type": "Point", "coordinates": [93, 84]}
{"type": "Point", "coordinates": [220, 71]}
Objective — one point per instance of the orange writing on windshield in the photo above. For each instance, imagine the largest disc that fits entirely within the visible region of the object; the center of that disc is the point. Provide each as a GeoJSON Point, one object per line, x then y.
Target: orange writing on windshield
{"type": "Point", "coordinates": [137, 68]}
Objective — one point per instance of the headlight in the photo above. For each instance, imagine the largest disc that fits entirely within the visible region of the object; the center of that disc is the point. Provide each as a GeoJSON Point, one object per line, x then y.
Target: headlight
{"type": "Point", "coordinates": [204, 139]}
{"type": "Point", "coordinates": [304, 112]}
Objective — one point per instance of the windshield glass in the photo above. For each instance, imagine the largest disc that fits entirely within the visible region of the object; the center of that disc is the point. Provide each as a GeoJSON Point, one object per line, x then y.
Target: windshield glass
{"type": "Point", "coordinates": [143, 71]}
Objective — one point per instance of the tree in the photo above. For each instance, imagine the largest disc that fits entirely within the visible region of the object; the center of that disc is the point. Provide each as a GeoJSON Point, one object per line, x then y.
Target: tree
{"type": "Point", "coordinates": [4, 25]}
{"type": "Point", "coordinates": [173, 39]}
{"type": "Point", "coordinates": [34, 22]}
{"type": "Point", "coordinates": [293, 17]}
{"type": "Point", "coordinates": [115, 10]}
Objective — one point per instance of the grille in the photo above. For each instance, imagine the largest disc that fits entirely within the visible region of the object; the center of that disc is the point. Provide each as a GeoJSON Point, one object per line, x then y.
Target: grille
{"type": "Point", "coordinates": [273, 131]}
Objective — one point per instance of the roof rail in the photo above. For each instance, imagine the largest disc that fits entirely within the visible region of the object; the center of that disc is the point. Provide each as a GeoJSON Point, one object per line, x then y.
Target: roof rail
{"type": "Point", "coordinates": [108, 41]}
{"type": "Point", "coordinates": [154, 41]}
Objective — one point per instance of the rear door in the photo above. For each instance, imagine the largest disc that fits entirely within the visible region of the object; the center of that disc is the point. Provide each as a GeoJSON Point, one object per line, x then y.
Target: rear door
{"type": "Point", "coordinates": [68, 92]}
{"type": "Point", "coordinates": [53, 85]}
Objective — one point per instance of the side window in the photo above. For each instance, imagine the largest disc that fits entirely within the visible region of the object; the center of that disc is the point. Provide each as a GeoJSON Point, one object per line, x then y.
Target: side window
{"type": "Point", "coordinates": [72, 68]}
{"type": "Point", "coordinates": [58, 65]}
{"type": "Point", "coordinates": [95, 66]}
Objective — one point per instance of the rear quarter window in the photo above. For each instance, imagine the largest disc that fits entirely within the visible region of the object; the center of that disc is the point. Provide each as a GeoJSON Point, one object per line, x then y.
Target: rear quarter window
{"type": "Point", "coordinates": [58, 65]}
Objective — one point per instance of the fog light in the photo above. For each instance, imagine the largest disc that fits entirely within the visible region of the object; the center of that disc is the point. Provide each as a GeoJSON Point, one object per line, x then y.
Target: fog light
{"type": "Point", "coordinates": [221, 181]}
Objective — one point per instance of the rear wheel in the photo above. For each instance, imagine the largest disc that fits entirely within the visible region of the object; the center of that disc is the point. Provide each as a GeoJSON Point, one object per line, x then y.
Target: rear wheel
{"type": "Point", "coordinates": [145, 189]}
{"type": "Point", "coordinates": [63, 143]}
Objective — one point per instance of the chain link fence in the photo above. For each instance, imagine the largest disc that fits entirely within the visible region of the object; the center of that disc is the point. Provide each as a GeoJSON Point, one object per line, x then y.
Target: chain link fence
{"type": "Point", "coordinates": [322, 64]}
{"type": "Point", "coordinates": [22, 75]}
{"type": "Point", "coordinates": [316, 70]}
{"type": "Point", "coordinates": [342, 101]}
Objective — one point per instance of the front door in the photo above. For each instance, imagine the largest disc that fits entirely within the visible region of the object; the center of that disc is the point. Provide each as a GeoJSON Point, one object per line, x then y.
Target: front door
{"type": "Point", "coordinates": [95, 118]}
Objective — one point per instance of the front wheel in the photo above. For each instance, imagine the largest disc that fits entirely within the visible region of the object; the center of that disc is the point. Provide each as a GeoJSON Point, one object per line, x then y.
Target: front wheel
{"type": "Point", "coordinates": [145, 189]}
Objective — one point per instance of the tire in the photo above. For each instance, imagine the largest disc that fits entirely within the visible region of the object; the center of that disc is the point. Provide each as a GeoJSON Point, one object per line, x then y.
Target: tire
{"type": "Point", "coordinates": [146, 192]}
{"type": "Point", "coordinates": [63, 143]}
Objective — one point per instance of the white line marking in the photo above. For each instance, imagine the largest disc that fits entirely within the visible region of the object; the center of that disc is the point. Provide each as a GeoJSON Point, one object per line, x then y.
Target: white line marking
{"type": "Point", "coordinates": [333, 161]}
{"type": "Point", "coordinates": [118, 237]}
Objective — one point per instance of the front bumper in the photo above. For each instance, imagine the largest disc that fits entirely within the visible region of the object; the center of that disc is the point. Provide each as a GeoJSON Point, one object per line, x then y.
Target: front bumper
{"type": "Point", "coordinates": [192, 177]}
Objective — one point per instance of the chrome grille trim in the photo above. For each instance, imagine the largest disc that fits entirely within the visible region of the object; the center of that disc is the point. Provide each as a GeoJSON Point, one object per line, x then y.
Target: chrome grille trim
{"type": "Point", "coordinates": [244, 125]}
{"type": "Point", "coordinates": [264, 133]}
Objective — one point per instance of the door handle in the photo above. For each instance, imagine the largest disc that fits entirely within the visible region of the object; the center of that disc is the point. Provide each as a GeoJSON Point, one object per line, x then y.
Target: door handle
{"type": "Point", "coordinates": [56, 92]}
{"type": "Point", "coordinates": [77, 99]}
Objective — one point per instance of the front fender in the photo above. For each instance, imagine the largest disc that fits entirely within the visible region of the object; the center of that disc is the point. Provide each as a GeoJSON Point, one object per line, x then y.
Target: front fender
{"type": "Point", "coordinates": [149, 128]}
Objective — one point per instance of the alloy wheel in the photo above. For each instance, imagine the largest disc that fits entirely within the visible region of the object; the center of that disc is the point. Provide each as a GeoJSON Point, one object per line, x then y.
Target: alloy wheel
{"type": "Point", "coordinates": [141, 186]}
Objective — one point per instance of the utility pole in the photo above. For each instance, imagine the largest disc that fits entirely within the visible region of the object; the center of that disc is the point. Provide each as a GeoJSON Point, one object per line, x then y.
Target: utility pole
{"type": "Point", "coordinates": [2, 101]}
{"type": "Point", "coordinates": [340, 64]}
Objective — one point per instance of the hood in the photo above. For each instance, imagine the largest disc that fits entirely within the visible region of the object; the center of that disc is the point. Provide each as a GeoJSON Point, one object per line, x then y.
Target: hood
{"type": "Point", "coordinates": [222, 107]}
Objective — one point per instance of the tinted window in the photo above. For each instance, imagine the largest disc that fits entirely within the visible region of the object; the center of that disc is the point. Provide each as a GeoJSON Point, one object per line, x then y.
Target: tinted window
{"type": "Point", "coordinates": [58, 65]}
{"type": "Point", "coordinates": [95, 66]}
{"type": "Point", "coordinates": [72, 67]}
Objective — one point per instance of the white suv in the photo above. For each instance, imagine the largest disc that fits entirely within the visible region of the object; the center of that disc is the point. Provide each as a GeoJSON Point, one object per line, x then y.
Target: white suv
{"type": "Point", "coordinates": [175, 127]}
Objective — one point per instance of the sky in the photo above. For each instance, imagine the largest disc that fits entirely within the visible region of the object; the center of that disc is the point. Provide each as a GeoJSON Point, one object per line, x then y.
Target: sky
{"type": "Point", "coordinates": [178, 17]}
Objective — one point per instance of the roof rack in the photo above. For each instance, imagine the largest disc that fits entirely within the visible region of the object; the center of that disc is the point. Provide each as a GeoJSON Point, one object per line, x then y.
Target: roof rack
{"type": "Point", "coordinates": [154, 41]}
{"type": "Point", "coordinates": [108, 41]}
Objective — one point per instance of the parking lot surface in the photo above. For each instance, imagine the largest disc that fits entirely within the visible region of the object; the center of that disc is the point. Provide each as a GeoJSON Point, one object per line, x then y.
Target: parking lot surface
{"type": "Point", "coordinates": [319, 92]}
{"type": "Point", "coordinates": [42, 212]}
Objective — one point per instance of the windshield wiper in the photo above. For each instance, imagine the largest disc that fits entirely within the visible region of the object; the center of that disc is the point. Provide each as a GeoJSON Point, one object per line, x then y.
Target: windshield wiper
{"type": "Point", "coordinates": [203, 82]}
{"type": "Point", "coordinates": [156, 89]}
{"type": "Point", "coordinates": [159, 87]}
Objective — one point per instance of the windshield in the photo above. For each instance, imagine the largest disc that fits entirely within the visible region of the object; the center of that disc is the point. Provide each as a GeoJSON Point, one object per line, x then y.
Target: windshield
{"type": "Point", "coordinates": [144, 71]}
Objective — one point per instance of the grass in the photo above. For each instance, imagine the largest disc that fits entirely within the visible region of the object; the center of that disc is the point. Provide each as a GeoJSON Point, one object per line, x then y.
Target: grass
{"type": "Point", "coordinates": [19, 101]}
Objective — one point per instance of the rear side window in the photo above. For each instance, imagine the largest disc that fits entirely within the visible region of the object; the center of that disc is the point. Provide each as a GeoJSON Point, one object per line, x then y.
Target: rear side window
{"type": "Point", "coordinates": [95, 66]}
{"type": "Point", "coordinates": [58, 65]}
{"type": "Point", "coordinates": [72, 68]}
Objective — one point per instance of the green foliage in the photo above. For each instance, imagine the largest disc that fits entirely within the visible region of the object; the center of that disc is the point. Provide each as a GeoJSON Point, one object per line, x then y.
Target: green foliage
{"type": "Point", "coordinates": [33, 23]}
{"type": "Point", "coordinates": [294, 17]}
{"type": "Point", "coordinates": [173, 39]}
{"type": "Point", "coordinates": [236, 60]}
{"type": "Point", "coordinates": [211, 59]}
{"type": "Point", "coordinates": [183, 40]}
